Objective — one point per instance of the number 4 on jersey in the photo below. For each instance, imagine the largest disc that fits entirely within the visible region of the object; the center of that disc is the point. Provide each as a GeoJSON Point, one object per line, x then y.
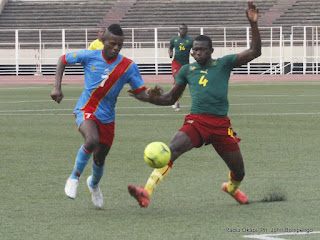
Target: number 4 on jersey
{"type": "Point", "coordinates": [203, 81]}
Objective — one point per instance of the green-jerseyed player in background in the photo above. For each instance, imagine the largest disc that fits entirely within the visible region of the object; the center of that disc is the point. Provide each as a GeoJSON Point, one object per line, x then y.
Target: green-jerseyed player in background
{"type": "Point", "coordinates": [181, 45]}
{"type": "Point", "coordinates": [207, 122]}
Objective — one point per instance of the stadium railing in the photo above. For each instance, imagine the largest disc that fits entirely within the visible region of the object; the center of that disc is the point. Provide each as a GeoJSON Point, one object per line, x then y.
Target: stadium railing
{"type": "Point", "coordinates": [298, 53]}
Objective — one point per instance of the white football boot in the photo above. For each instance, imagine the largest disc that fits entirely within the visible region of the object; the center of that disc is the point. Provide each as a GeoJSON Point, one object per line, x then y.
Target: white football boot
{"type": "Point", "coordinates": [71, 187]}
{"type": "Point", "coordinates": [96, 194]}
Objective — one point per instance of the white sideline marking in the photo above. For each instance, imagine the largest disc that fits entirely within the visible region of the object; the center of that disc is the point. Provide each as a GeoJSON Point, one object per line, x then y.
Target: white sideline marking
{"type": "Point", "coordinates": [273, 236]}
{"type": "Point", "coordinates": [32, 101]}
{"type": "Point", "coordinates": [237, 84]}
{"type": "Point", "coordinates": [38, 110]}
{"type": "Point", "coordinates": [274, 95]}
{"type": "Point", "coordinates": [31, 113]}
{"type": "Point", "coordinates": [21, 88]}
{"type": "Point", "coordinates": [231, 84]}
{"type": "Point", "coordinates": [154, 106]}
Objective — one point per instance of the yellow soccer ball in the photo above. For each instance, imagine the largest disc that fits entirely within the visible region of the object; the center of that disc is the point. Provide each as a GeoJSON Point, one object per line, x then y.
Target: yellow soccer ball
{"type": "Point", "coordinates": [157, 154]}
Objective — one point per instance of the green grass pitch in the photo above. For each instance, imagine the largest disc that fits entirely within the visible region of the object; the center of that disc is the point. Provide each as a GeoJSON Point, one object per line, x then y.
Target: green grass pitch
{"type": "Point", "coordinates": [279, 125]}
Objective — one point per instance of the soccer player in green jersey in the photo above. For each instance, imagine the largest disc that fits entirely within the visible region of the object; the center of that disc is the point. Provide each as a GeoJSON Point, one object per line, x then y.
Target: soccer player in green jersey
{"type": "Point", "coordinates": [182, 45]}
{"type": "Point", "coordinates": [207, 122]}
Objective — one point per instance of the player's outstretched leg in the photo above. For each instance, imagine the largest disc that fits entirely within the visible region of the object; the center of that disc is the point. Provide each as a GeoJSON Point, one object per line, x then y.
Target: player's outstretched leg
{"type": "Point", "coordinates": [140, 194]}
{"type": "Point", "coordinates": [231, 187]}
{"type": "Point", "coordinates": [143, 195]}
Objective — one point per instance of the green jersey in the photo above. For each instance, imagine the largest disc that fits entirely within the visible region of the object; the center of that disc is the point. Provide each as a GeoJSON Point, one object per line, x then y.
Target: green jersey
{"type": "Point", "coordinates": [208, 84]}
{"type": "Point", "coordinates": [182, 47]}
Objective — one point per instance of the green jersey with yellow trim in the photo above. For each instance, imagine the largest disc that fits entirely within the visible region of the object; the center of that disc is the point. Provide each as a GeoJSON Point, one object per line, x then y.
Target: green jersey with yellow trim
{"type": "Point", "coordinates": [208, 84]}
{"type": "Point", "coordinates": [182, 47]}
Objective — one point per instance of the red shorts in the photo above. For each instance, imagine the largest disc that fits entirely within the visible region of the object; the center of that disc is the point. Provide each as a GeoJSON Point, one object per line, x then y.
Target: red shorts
{"type": "Point", "coordinates": [210, 129]}
{"type": "Point", "coordinates": [106, 130]}
{"type": "Point", "coordinates": [175, 67]}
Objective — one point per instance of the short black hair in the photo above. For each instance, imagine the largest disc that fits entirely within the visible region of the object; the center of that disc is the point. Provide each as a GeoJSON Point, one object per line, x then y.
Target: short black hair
{"type": "Point", "coordinates": [115, 29]}
{"type": "Point", "coordinates": [183, 24]}
{"type": "Point", "coordinates": [204, 38]}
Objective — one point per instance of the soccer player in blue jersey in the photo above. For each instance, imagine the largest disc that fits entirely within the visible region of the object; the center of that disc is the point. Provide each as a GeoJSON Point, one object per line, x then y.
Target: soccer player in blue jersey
{"type": "Point", "coordinates": [106, 72]}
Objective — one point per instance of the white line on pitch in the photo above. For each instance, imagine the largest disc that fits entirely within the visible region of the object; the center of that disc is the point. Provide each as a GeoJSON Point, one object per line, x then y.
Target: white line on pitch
{"type": "Point", "coordinates": [184, 96]}
{"type": "Point", "coordinates": [37, 110]}
{"type": "Point", "coordinates": [274, 236]}
{"type": "Point", "coordinates": [160, 114]}
{"type": "Point", "coordinates": [33, 101]}
{"type": "Point", "coordinates": [154, 106]}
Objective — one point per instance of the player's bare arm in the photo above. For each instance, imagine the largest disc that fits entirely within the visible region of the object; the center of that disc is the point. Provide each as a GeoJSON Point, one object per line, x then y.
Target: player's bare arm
{"type": "Point", "coordinates": [168, 98]}
{"type": "Point", "coordinates": [156, 96]}
{"type": "Point", "coordinates": [255, 49]}
{"type": "Point", "coordinates": [165, 99]}
{"type": "Point", "coordinates": [56, 93]}
{"type": "Point", "coordinates": [146, 96]}
{"type": "Point", "coordinates": [170, 51]}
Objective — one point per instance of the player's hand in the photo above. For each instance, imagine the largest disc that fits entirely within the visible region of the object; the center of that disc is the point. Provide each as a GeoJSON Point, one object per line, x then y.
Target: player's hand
{"type": "Point", "coordinates": [57, 95]}
{"type": "Point", "coordinates": [155, 92]}
{"type": "Point", "coordinates": [252, 12]}
{"type": "Point", "coordinates": [150, 95]}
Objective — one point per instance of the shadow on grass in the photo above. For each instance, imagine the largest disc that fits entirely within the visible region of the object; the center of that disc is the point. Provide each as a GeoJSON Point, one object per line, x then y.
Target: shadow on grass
{"type": "Point", "coordinates": [271, 197]}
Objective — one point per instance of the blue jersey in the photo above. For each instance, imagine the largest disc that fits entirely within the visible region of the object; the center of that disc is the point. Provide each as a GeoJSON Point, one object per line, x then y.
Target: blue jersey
{"type": "Point", "coordinates": [103, 82]}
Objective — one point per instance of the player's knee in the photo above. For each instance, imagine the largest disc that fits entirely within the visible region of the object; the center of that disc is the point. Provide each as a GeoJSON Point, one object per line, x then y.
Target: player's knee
{"type": "Point", "coordinates": [91, 143]}
{"type": "Point", "coordinates": [99, 161]}
{"type": "Point", "coordinates": [100, 154]}
{"type": "Point", "coordinates": [180, 144]}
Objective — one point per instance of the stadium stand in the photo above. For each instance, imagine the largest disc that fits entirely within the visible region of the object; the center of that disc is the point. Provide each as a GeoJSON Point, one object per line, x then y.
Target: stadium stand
{"type": "Point", "coordinates": [73, 14]}
{"type": "Point", "coordinates": [77, 16]}
{"type": "Point", "coordinates": [207, 13]}
{"type": "Point", "coordinates": [117, 12]}
{"type": "Point", "coordinates": [301, 13]}
{"type": "Point", "coordinates": [167, 14]}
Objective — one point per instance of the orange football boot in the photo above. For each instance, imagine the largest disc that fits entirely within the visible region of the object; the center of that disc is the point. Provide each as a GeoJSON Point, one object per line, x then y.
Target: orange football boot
{"type": "Point", "coordinates": [239, 196]}
{"type": "Point", "coordinates": [140, 194]}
